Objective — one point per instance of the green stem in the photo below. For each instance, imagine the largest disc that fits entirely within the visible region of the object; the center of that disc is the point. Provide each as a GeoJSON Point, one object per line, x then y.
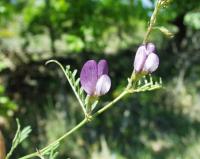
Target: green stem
{"type": "Point", "coordinates": [15, 141]}
{"type": "Point", "coordinates": [109, 105]}
{"type": "Point", "coordinates": [152, 21]}
{"type": "Point", "coordinates": [82, 123]}
{"type": "Point", "coordinates": [10, 153]}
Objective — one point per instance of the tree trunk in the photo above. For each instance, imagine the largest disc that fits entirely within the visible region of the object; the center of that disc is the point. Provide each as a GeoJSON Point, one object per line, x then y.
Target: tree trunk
{"type": "Point", "coordinates": [50, 27]}
{"type": "Point", "coordinates": [52, 38]}
{"type": "Point", "coordinates": [179, 22]}
{"type": "Point", "coordinates": [2, 146]}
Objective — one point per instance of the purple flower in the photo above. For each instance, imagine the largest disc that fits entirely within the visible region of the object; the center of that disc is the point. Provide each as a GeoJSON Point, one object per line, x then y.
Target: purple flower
{"type": "Point", "coordinates": [94, 78]}
{"type": "Point", "coordinates": [146, 59]}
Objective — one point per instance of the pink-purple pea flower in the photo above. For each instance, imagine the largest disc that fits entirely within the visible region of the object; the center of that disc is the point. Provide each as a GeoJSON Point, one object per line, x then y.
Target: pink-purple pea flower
{"type": "Point", "coordinates": [146, 60]}
{"type": "Point", "coordinates": [94, 78]}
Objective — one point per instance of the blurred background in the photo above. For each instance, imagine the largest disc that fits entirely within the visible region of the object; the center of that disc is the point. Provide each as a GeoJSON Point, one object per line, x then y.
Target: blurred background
{"type": "Point", "coordinates": [163, 124]}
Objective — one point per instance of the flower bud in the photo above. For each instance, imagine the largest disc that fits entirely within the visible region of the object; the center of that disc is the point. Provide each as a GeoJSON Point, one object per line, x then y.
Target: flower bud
{"type": "Point", "coordinates": [146, 60]}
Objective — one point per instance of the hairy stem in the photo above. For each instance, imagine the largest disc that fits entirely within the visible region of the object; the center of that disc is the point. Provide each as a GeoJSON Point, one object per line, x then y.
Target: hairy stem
{"type": "Point", "coordinates": [152, 21]}
{"type": "Point", "coordinates": [109, 105]}
{"type": "Point", "coordinates": [78, 126]}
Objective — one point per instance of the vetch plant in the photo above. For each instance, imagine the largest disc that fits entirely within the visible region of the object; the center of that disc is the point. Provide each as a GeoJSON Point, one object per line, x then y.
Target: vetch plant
{"type": "Point", "coordinates": [95, 81]}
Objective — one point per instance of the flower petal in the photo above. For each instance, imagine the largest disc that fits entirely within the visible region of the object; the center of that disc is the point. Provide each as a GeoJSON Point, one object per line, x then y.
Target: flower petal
{"type": "Point", "coordinates": [150, 48]}
{"type": "Point", "coordinates": [151, 63]}
{"type": "Point", "coordinates": [102, 67]}
{"type": "Point", "coordinates": [88, 76]}
{"type": "Point", "coordinates": [103, 85]}
{"type": "Point", "coordinates": [140, 58]}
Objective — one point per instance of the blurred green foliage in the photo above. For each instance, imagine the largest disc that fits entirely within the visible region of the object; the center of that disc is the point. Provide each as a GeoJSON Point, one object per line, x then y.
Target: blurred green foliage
{"type": "Point", "coordinates": [164, 124]}
{"type": "Point", "coordinates": [7, 105]}
{"type": "Point", "coordinates": [192, 19]}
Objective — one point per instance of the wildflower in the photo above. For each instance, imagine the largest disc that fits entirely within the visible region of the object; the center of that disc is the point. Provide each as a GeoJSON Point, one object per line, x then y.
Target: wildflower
{"type": "Point", "coordinates": [146, 60]}
{"type": "Point", "coordinates": [94, 78]}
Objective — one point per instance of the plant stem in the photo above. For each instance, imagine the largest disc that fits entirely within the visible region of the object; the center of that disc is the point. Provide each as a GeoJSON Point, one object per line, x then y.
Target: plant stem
{"type": "Point", "coordinates": [83, 122]}
{"type": "Point", "coordinates": [15, 141]}
{"type": "Point", "coordinates": [110, 104]}
{"type": "Point", "coordinates": [152, 21]}
{"type": "Point", "coordinates": [77, 127]}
